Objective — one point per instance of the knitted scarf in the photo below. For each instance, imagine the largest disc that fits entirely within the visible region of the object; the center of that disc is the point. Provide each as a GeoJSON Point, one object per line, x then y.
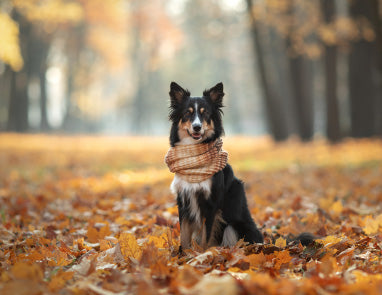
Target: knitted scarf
{"type": "Point", "coordinates": [197, 162]}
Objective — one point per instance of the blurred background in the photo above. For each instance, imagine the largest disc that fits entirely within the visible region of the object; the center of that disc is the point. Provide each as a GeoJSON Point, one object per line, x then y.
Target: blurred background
{"type": "Point", "coordinates": [289, 67]}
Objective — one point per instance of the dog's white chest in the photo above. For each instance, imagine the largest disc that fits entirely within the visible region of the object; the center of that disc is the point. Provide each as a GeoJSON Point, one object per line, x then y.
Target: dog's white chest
{"type": "Point", "coordinates": [179, 185]}
{"type": "Point", "coordinates": [189, 193]}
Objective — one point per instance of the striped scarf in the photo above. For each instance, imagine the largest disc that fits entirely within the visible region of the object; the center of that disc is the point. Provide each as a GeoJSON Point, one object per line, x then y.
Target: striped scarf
{"type": "Point", "coordinates": [198, 162]}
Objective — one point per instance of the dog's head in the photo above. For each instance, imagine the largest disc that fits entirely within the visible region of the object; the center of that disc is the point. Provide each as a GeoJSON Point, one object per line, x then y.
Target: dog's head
{"type": "Point", "coordinates": [195, 119]}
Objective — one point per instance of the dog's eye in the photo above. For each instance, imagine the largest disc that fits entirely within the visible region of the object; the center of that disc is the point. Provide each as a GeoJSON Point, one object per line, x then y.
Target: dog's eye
{"type": "Point", "coordinates": [187, 114]}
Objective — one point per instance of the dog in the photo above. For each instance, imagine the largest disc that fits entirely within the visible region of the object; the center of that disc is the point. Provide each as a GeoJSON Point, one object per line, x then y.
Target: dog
{"type": "Point", "coordinates": [213, 212]}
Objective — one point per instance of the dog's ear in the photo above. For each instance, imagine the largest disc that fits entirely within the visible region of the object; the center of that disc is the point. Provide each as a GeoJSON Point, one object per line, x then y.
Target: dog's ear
{"type": "Point", "coordinates": [177, 93]}
{"type": "Point", "coordinates": [216, 94]}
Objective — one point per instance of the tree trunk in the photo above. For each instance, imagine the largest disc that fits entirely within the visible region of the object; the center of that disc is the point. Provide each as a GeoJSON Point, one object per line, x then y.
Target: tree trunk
{"type": "Point", "coordinates": [140, 55]}
{"type": "Point", "coordinates": [18, 103]}
{"type": "Point", "coordinates": [44, 124]}
{"type": "Point", "coordinates": [333, 129]}
{"type": "Point", "coordinates": [377, 25]}
{"type": "Point", "coordinates": [301, 79]}
{"type": "Point", "coordinates": [38, 54]}
{"type": "Point", "coordinates": [274, 110]}
{"type": "Point", "coordinates": [5, 83]}
{"type": "Point", "coordinates": [362, 73]}
{"type": "Point", "coordinates": [301, 76]}
{"type": "Point", "coordinates": [74, 46]}
{"type": "Point", "coordinates": [18, 98]}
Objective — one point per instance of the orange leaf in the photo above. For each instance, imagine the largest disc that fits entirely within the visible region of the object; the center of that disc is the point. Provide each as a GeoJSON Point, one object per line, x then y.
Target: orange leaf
{"type": "Point", "coordinates": [187, 276]}
{"type": "Point", "coordinates": [59, 280]}
{"type": "Point", "coordinates": [22, 270]}
{"type": "Point", "coordinates": [328, 265]}
{"type": "Point", "coordinates": [129, 246]}
{"type": "Point", "coordinates": [256, 260]}
{"type": "Point", "coordinates": [104, 231]}
{"type": "Point", "coordinates": [159, 269]}
{"type": "Point", "coordinates": [30, 242]}
{"type": "Point", "coordinates": [282, 257]}
{"type": "Point", "coordinates": [92, 234]}
{"type": "Point", "coordinates": [104, 245]}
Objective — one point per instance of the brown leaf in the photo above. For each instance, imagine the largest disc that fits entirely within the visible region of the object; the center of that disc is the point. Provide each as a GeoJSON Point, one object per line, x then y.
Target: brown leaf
{"type": "Point", "coordinates": [92, 234]}
{"type": "Point", "coordinates": [256, 260]}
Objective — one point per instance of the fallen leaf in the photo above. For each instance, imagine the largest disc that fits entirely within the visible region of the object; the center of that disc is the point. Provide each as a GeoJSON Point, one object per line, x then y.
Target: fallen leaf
{"type": "Point", "coordinates": [280, 242]}
{"type": "Point", "coordinates": [129, 246]}
{"type": "Point", "coordinates": [216, 285]}
{"type": "Point", "coordinates": [23, 270]}
{"type": "Point", "coordinates": [59, 280]}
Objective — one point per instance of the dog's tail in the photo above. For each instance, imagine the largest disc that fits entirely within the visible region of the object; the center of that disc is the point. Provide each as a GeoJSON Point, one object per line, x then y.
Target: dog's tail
{"type": "Point", "coordinates": [304, 238]}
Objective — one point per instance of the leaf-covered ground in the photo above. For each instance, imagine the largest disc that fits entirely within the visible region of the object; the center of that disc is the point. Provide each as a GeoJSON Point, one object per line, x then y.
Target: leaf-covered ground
{"type": "Point", "coordinates": [94, 215]}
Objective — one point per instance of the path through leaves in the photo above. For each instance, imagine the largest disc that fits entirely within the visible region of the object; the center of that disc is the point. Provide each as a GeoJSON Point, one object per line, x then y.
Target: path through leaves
{"type": "Point", "coordinates": [94, 215]}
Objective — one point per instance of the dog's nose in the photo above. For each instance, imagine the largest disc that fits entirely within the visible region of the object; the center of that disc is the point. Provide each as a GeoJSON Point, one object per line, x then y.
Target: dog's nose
{"type": "Point", "coordinates": [196, 127]}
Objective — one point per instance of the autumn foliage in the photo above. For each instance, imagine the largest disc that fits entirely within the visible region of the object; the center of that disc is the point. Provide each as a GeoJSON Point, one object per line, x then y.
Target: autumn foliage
{"type": "Point", "coordinates": [94, 215]}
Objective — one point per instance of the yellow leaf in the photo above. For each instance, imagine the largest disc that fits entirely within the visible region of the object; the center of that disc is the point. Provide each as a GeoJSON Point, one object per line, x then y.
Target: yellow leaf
{"type": "Point", "coordinates": [122, 221]}
{"type": "Point", "coordinates": [280, 242]}
{"type": "Point", "coordinates": [235, 269]}
{"type": "Point", "coordinates": [372, 224]}
{"type": "Point", "coordinates": [336, 208]}
{"type": "Point", "coordinates": [360, 276]}
{"type": "Point", "coordinates": [159, 242]}
{"type": "Point", "coordinates": [173, 210]}
{"type": "Point", "coordinates": [329, 240]}
{"type": "Point", "coordinates": [129, 246]}
{"type": "Point", "coordinates": [51, 12]}
{"type": "Point", "coordinates": [10, 52]}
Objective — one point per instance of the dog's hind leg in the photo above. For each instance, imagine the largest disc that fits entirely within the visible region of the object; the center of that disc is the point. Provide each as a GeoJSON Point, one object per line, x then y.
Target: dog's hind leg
{"type": "Point", "coordinates": [248, 231]}
{"type": "Point", "coordinates": [230, 237]}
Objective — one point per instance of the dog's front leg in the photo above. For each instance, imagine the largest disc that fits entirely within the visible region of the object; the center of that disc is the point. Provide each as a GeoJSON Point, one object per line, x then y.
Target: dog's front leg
{"type": "Point", "coordinates": [207, 228]}
{"type": "Point", "coordinates": [208, 211]}
{"type": "Point", "coordinates": [186, 231]}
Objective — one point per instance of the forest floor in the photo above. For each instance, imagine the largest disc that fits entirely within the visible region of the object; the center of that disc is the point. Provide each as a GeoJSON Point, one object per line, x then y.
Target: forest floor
{"type": "Point", "coordinates": [94, 215]}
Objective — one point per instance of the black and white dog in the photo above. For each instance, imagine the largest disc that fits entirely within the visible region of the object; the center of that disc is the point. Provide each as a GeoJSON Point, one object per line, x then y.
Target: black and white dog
{"type": "Point", "coordinates": [213, 212]}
